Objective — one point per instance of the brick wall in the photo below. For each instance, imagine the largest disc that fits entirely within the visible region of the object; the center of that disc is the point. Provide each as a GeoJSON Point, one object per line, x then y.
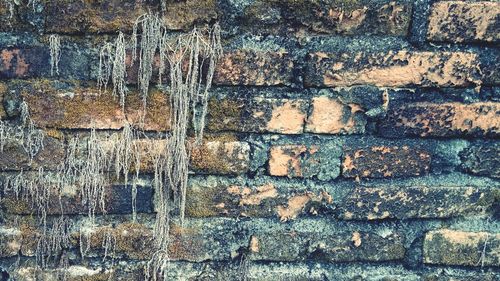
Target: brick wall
{"type": "Point", "coordinates": [346, 140]}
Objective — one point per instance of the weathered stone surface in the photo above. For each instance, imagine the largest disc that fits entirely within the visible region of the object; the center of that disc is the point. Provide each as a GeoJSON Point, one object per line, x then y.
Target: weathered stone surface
{"type": "Point", "coordinates": [128, 272]}
{"type": "Point", "coordinates": [23, 63]}
{"type": "Point", "coordinates": [452, 247]}
{"type": "Point", "coordinates": [77, 107]}
{"type": "Point", "coordinates": [442, 120]}
{"type": "Point", "coordinates": [392, 69]}
{"type": "Point", "coordinates": [374, 203]}
{"type": "Point", "coordinates": [214, 156]}
{"type": "Point", "coordinates": [482, 160]}
{"type": "Point", "coordinates": [9, 242]}
{"type": "Point", "coordinates": [15, 157]}
{"type": "Point", "coordinates": [254, 68]}
{"type": "Point", "coordinates": [332, 116]}
{"type": "Point", "coordinates": [385, 161]}
{"type": "Point", "coordinates": [110, 16]}
{"type": "Point", "coordinates": [3, 91]}
{"type": "Point", "coordinates": [221, 157]}
{"type": "Point", "coordinates": [117, 198]}
{"type": "Point", "coordinates": [135, 241]}
{"type": "Point", "coordinates": [341, 247]}
{"type": "Point", "coordinates": [266, 200]}
{"type": "Point", "coordinates": [464, 21]}
{"type": "Point", "coordinates": [333, 17]}
{"type": "Point", "coordinates": [303, 161]}
{"type": "Point", "coordinates": [284, 116]}
{"type": "Point", "coordinates": [184, 14]}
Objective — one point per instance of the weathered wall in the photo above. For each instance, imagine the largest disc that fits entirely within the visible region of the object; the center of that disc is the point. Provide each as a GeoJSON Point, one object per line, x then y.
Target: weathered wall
{"type": "Point", "coordinates": [347, 140]}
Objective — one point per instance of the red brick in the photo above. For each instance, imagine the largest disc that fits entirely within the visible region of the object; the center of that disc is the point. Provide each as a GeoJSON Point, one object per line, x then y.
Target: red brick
{"type": "Point", "coordinates": [254, 68]}
{"type": "Point", "coordinates": [443, 120]}
{"type": "Point", "coordinates": [321, 161]}
{"type": "Point", "coordinates": [392, 69]}
{"type": "Point", "coordinates": [385, 161]}
{"type": "Point", "coordinates": [332, 116]}
{"type": "Point", "coordinates": [110, 16]}
{"type": "Point", "coordinates": [284, 116]}
{"type": "Point", "coordinates": [85, 107]}
{"type": "Point", "coordinates": [464, 21]}
{"type": "Point", "coordinates": [331, 17]}
{"type": "Point", "coordinates": [23, 63]}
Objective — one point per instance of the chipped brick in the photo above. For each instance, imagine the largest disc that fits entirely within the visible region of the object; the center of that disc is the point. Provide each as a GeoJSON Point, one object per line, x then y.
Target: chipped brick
{"type": "Point", "coordinates": [461, 21]}
{"type": "Point", "coordinates": [375, 203]}
{"type": "Point", "coordinates": [442, 120]}
{"type": "Point", "coordinates": [392, 69]}
{"type": "Point", "coordinates": [332, 116]}
{"type": "Point", "coordinates": [254, 68]}
{"type": "Point", "coordinates": [454, 247]}
{"type": "Point", "coordinates": [385, 161]}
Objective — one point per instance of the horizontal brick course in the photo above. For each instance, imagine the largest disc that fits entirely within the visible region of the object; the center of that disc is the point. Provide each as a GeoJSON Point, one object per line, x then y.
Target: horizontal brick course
{"type": "Point", "coordinates": [442, 120]}
{"type": "Point", "coordinates": [375, 203]}
{"type": "Point", "coordinates": [332, 116]}
{"type": "Point", "coordinates": [301, 161]}
{"type": "Point", "coordinates": [332, 17]}
{"type": "Point", "coordinates": [96, 17]}
{"type": "Point", "coordinates": [453, 247]}
{"type": "Point", "coordinates": [464, 21]}
{"type": "Point", "coordinates": [284, 116]}
{"type": "Point", "coordinates": [392, 69]}
{"type": "Point", "coordinates": [385, 162]}
{"type": "Point", "coordinates": [341, 247]}
{"type": "Point", "coordinates": [264, 200]}
{"type": "Point", "coordinates": [255, 68]}
{"type": "Point", "coordinates": [482, 160]}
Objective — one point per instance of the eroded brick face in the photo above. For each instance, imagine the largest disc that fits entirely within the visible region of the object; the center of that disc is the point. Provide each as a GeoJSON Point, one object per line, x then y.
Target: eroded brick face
{"type": "Point", "coordinates": [385, 162]}
{"type": "Point", "coordinates": [462, 21]}
{"type": "Point", "coordinates": [454, 247]}
{"type": "Point", "coordinates": [392, 69]}
{"type": "Point", "coordinates": [443, 120]}
{"type": "Point", "coordinates": [343, 140]}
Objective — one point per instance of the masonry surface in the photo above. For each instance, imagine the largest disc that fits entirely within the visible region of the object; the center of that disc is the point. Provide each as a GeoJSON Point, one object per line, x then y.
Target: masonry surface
{"type": "Point", "coordinates": [346, 140]}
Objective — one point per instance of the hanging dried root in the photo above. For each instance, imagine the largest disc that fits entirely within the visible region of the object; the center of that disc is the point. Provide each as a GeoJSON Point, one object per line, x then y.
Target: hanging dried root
{"type": "Point", "coordinates": [55, 53]}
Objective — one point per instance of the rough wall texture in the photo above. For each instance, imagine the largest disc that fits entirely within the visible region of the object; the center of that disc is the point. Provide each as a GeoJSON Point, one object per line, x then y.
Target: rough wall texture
{"type": "Point", "coordinates": [347, 140]}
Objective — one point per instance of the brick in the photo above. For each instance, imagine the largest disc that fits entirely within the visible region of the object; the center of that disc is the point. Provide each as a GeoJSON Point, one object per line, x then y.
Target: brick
{"type": "Point", "coordinates": [385, 161]}
{"type": "Point", "coordinates": [331, 17]}
{"type": "Point", "coordinates": [392, 69]}
{"type": "Point", "coordinates": [10, 239]}
{"type": "Point", "coordinates": [14, 156]}
{"type": "Point", "coordinates": [23, 63]}
{"type": "Point", "coordinates": [332, 116]}
{"type": "Point", "coordinates": [254, 68]}
{"type": "Point", "coordinates": [263, 200]}
{"type": "Point", "coordinates": [128, 272]}
{"type": "Point", "coordinates": [453, 247]}
{"type": "Point", "coordinates": [221, 157]}
{"type": "Point", "coordinates": [461, 21]}
{"type": "Point", "coordinates": [375, 203]}
{"type": "Point", "coordinates": [303, 161]}
{"type": "Point", "coordinates": [217, 156]}
{"type": "Point", "coordinates": [118, 200]}
{"type": "Point", "coordinates": [3, 91]}
{"type": "Point", "coordinates": [135, 241]}
{"type": "Point", "coordinates": [341, 247]}
{"type": "Point", "coordinates": [442, 120]}
{"type": "Point", "coordinates": [259, 115]}
{"type": "Point", "coordinates": [185, 14]}
{"type": "Point", "coordinates": [483, 160]}
{"type": "Point", "coordinates": [101, 17]}
{"type": "Point", "coordinates": [77, 107]}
